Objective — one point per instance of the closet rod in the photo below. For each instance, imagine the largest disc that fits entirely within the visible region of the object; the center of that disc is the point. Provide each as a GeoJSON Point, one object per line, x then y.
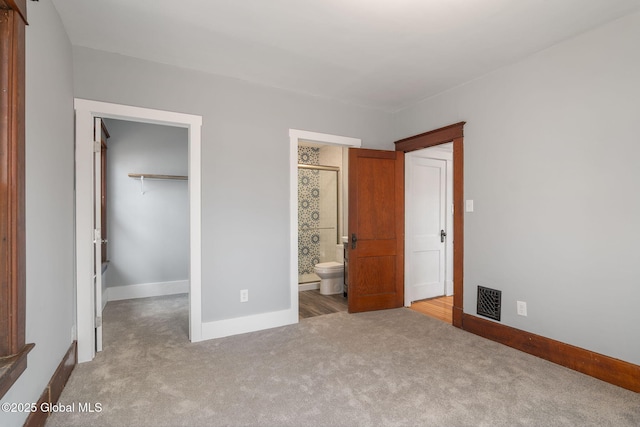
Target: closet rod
{"type": "Point", "coordinates": [156, 176]}
{"type": "Point", "coordinates": [143, 176]}
{"type": "Point", "coordinates": [316, 167]}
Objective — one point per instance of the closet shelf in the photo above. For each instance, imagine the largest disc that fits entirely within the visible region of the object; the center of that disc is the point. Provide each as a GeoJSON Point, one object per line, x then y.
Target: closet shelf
{"type": "Point", "coordinates": [146, 176]}
{"type": "Point", "coordinates": [156, 176]}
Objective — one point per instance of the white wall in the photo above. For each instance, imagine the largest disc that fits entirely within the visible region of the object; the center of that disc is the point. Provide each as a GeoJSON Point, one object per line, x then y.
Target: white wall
{"type": "Point", "coordinates": [245, 166]}
{"type": "Point", "coordinates": [551, 161]}
{"type": "Point", "coordinates": [49, 204]}
{"type": "Point", "coordinates": [148, 233]}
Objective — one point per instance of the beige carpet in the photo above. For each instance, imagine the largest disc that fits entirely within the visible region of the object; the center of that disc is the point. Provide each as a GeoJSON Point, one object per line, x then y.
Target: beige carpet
{"type": "Point", "coordinates": [387, 368]}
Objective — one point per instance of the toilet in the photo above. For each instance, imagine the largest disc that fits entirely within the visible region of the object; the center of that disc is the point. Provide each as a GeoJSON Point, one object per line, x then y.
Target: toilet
{"type": "Point", "coordinates": [331, 274]}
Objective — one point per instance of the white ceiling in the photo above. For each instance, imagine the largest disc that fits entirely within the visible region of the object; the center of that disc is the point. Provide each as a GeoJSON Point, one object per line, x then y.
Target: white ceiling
{"type": "Point", "coordinates": [385, 54]}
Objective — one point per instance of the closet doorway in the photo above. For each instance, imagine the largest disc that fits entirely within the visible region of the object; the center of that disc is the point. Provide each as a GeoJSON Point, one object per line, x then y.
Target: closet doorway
{"type": "Point", "coordinates": [87, 292]}
{"type": "Point", "coordinates": [147, 210]}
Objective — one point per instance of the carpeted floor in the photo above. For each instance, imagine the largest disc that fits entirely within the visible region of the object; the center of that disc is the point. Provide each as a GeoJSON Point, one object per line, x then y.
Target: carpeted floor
{"type": "Point", "coordinates": [387, 368]}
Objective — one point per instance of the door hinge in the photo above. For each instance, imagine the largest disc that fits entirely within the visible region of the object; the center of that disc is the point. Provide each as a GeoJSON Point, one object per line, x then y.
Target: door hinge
{"type": "Point", "coordinates": [98, 322]}
{"type": "Point", "coordinates": [97, 146]}
{"type": "Point", "coordinates": [97, 235]}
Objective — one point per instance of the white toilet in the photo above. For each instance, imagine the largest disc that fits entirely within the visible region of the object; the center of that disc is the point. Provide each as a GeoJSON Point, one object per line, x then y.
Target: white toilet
{"type": "Point", "coordinates": [331, 274]}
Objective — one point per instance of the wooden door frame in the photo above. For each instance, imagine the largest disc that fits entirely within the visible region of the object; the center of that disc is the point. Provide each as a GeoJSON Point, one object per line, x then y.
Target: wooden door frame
{"type": "Point", "coordinates": [13, 348]}
{"type": "Point", "coordinates": [447, 158]}
{"type": "Point", "coordinates": [452, 133]}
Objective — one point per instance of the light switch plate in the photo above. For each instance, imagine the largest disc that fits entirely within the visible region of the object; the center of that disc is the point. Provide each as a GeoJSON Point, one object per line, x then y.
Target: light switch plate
{"type": "Point", "coordinates": [469, 206]}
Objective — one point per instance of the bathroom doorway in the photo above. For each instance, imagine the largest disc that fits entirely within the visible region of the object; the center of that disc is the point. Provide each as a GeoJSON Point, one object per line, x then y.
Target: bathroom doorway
{"type": "Point", "coordinates": [320, 206]}
{"type": "Point", "coordinates": [321, 222]}
{"type": "Point", "coordinates": [318, 217]}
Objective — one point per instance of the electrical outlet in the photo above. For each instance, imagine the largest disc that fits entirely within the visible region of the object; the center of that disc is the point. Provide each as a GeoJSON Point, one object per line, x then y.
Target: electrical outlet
{"type": "Point", "coordinates": [244, 295]}
{"type": "Point", "coordinates": [522, 308]}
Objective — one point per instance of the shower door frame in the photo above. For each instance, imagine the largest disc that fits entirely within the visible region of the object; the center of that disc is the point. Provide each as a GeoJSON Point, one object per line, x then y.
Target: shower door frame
{"type": "Point", "coordinates": [321, 168]}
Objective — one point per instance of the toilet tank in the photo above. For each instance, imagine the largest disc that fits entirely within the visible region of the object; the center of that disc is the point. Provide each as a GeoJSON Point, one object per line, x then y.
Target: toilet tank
{"type": "Point", "coordinates": [339, 252]}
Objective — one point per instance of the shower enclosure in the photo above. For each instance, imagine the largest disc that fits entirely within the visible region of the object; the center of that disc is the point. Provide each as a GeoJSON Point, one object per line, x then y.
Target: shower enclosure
{"type": "Point", "coordinates": [317, 218]}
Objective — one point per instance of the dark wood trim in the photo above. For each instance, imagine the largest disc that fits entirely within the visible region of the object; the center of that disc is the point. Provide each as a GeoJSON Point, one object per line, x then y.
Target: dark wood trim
{"type": "Point", "coordinates": [452, 133]}
{"type": "Point", "coordinates": [19, 6]}
{"type": "Point", "coordinates": [61, 376]}
{"type": "Point", "coordinates": [605, 368]}
{"type": "Point", "coordinates": [13, 350]}
{"type": "Point", "coordinates": [12, 247]}
{"type": "Point", "coordinates": [11, 367]}
{"type": "Point", "coordinates": [429, 139]}
{"type": "Point", "coordinates": [52, 392]}
{"type": "Point", "coordinates": [614, 371]}
{"type": "Point", "coordinates": [458, 231]}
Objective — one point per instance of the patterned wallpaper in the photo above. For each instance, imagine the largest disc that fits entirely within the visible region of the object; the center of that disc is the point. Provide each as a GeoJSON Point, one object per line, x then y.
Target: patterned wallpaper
{"type": "Point", "coordinates": [308, 211]}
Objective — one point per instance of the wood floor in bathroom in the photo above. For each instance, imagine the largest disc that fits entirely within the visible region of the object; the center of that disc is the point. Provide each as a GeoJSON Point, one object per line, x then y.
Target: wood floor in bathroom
{"type": "Point", "coordinates": [312, 303]}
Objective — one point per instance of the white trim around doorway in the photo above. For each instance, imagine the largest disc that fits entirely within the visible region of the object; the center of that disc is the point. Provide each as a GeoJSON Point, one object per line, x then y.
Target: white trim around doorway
{"type": "Point", "coordinates": [288, 316]}
{"type": "Point", "coordinates": [295, 137]}
{"type": "Point", "coordinates": [86, 110]}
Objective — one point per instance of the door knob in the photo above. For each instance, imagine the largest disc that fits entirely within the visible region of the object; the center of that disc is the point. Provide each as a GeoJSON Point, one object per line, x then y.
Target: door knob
{"type": "Point", "coordinates": [442, 236]}
{"type": "Point", "coordinates": [354, 239]}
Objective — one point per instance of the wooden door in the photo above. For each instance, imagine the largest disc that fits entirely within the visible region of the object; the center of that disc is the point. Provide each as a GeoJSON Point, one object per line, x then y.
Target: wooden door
{"type": "Point", "coordinates": [376, 230]}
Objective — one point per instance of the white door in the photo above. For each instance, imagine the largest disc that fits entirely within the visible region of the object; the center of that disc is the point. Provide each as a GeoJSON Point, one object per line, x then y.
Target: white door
{"type": "Point", "coordinates": [425, 238]}
{"type": "Point", "coordinates": [97, 221]}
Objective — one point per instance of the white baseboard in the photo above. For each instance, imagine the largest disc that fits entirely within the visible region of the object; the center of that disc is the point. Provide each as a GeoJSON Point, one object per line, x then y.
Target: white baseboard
{"type": "Point", "coordinates": [144, 290]}
{"type": "Point", "coordinates": [308, 286]}
{"type": "Point", "coordinates": [242, 325]}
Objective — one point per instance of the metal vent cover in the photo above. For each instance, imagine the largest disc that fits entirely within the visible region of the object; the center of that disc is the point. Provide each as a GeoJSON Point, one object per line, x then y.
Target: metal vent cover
{"type": "Point", "coordinates": [489, 302]}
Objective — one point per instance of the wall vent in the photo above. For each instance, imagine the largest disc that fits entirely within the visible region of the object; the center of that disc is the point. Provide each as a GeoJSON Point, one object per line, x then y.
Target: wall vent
{"type": "Point", "coordinates": [489, 302]}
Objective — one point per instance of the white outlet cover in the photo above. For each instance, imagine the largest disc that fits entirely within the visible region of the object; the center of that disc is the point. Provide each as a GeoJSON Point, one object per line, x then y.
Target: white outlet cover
{"type": "Point", "coordinates": [522, 308]}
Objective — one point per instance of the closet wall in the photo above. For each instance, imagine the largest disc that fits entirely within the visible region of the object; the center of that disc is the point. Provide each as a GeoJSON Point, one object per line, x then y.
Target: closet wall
{"type": "Point", "coordinates": [148, 232]}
